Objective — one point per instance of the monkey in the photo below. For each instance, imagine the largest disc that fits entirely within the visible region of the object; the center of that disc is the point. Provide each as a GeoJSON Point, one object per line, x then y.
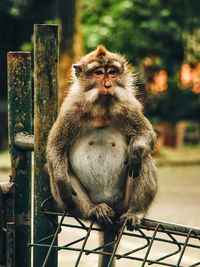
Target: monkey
{"type": "Point", "coordinates": [99, 148]}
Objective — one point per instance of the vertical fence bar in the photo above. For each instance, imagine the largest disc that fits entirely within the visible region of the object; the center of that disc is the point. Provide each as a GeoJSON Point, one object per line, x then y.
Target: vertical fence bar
{"type": "Point", "coordinates": [20, 120]}
{"type": "Point", "coordinates": [45, 109]}
{"type": "Point", "coordinates": [10, 247]}
{"type": "Point", "coordinates": [2, 231]}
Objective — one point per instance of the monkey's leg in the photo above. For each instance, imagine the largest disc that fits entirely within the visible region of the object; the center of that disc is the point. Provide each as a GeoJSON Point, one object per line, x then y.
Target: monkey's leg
{"type": "Point", "coordinates": [102, 213]}
{"type": "Point", "coordinates": [85, 209]}
{"type": "Point", "coordinates": [142, 191]}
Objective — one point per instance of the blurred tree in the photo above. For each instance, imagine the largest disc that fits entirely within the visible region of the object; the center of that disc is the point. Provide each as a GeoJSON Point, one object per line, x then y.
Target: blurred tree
{"type": "Point", "coordinates": [16, 23]}
{"type": "Point", "coordinates": [69, 19]}
{"type": "Point", "coordinates": [140, 29]}
{"type": "Point", "coordinates": [16, 26]}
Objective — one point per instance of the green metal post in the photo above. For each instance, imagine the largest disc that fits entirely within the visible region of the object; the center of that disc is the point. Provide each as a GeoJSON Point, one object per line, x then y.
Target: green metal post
{"type": "Point", "coordinates": [45, 83]}
{"type": "Point", "coordinates": [2, 232]}
{"type": "Point", "coordinates": [20, 120]}
{"type": "Point", "coordinates": [10, 248]}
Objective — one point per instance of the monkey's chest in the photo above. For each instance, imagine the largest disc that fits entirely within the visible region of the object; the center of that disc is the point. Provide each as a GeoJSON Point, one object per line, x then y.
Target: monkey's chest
{"type": "Point", "coordinates": [98, 162]}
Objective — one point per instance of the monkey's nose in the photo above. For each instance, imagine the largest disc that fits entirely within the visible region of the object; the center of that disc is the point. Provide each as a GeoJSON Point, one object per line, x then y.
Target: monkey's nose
{"type": "Point", "coordinates": [107, 84]}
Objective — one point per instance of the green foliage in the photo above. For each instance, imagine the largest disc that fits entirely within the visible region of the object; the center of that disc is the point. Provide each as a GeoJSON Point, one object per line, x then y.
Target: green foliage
{"type": "Point", "coordinates": [139, 29]}
{"type": "Point", "coordinates": [134, 27]}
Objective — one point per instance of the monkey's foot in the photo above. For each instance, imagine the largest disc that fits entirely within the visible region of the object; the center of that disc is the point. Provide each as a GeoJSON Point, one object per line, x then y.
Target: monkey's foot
{"type": "Point", "coordinates": [132, 220]}
{"type": "Point", "coordinates": [103, 214]}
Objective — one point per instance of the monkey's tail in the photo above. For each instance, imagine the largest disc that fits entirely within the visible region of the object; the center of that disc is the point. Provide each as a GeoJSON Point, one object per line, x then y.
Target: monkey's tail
{"type": "Point", "coordinates": [107, 240]}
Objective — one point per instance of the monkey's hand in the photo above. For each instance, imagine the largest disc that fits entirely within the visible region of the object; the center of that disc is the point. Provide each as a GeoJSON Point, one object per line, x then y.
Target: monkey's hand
{"type": "Point", "coordinates": [132, 219]}
{"type": "Point", "coordinates": [66, 192]}
{"type": "Point", "coordinates": [103, 214]}
{"type": "Point", "coordinates": [134, 162]}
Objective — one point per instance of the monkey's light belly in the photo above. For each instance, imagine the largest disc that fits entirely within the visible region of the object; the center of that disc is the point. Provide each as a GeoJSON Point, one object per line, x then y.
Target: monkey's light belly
{"type": "Point", "coordinates": [98, 161]}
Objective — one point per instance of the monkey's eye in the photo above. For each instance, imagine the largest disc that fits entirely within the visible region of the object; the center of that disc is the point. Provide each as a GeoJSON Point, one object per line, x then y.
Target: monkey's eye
{"type": "Point", "coordinates": [98, 72]}
{"type": "Point", "coordinates": [112, 72]}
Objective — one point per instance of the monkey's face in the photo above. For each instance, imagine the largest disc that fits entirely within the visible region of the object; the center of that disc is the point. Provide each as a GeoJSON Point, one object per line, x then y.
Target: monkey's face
{"type": "Point", "coordinates": [103, 77]}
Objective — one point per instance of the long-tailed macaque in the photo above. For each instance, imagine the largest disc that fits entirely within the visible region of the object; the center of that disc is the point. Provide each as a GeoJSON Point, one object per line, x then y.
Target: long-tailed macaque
{"type": "Point", "coordinates": [99, 149]}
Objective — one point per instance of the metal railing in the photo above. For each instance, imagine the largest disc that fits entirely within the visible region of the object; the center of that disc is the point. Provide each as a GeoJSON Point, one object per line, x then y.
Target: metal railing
{"type": "Point", "coordinates": [151, 235]}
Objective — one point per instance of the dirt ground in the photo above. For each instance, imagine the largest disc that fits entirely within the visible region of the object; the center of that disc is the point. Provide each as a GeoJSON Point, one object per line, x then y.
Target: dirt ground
{"type": "Point", "coordinates": [177, 201]}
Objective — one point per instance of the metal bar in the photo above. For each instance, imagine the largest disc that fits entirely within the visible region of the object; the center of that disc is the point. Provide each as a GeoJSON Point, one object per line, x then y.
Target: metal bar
{"type": "Point", "coordinates": [54, 239]}
{"type": "Point", "coordinates": [2, 231]}
{"type": "Point", "coordinates": [20, 120]}
{"type": "Point", "coordinates": [139, 248]}
{"type": "Point", "coordinates": [99, 248]}
{"type": "Point", "coordinates": [84, 243]}
{"type": "Point", "coordinates": [9, 218]}
{"type": "Point", "coordinates": [150, 245]}
{"type": "Point", "coordinates": [74, 242]}
{"type": "Point", "coordinates": [10, 244]}
{"type": "Point", "coordinates": [195, 264]}
{"type": "Point", "coordinates": [45, 109]}
{"type": "Point", "coordinates": [117, 243]}
{"type": "Point", "coordinates": [7, 229]}
{"type": "Point", "coordinates": [147, 224]}
{"type": "Point", "coordinates": [100, 253]}
{"type": "Point", "coordinates": [24, 141]}
{"type": "Point", "coordinates": [170, 226]}
{"type": "Point", "coordinates": [173, 253]}
{"type": "Point", "coordinates": [81, 223]}
{"type": "Point", "coordinates": [183, 249]}
{"type": "Point", "coordinates": [57, 247]}
{"type": "Point", "coordinates": [6, 188]}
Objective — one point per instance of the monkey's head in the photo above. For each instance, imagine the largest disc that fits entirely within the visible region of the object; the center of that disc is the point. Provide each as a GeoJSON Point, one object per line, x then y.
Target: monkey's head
{"type": "Point", "coordinates": [102, 74]}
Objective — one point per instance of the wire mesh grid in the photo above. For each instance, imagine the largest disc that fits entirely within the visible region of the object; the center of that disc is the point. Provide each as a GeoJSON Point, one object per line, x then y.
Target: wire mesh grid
{"type": "Point", "coordinates": [152, 243]}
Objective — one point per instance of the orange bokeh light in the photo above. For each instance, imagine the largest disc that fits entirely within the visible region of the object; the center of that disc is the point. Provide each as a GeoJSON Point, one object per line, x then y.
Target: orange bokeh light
{"type": "Point", "coordinates": [190, 77]}
{"type": "Point", "coordinates": [159, 83]}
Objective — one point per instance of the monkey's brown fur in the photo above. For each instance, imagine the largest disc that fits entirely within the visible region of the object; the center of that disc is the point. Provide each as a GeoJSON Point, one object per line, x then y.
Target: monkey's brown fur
{"type": "Point", "coordinates": [98, 151]}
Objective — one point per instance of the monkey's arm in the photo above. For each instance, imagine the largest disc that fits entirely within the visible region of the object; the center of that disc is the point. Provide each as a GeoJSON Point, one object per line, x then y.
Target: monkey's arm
{"type": "Point", "coordinates": [141, 192]}
{"type": "Point", "coordinates": [141, 141]}
{"type": "Point", "coordinates": [59, 142]}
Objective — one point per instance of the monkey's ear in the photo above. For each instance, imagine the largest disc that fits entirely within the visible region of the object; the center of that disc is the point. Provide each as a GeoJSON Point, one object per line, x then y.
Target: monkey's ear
{"type": "Point", "coordinates": [101, 51]}
{"type": "Point", "coordinates": [77, 69]}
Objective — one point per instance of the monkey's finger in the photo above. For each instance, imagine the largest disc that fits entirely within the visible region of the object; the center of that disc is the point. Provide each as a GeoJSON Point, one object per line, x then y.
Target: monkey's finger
{"type": "Point", "coordinates": [130, 224]}
{"type": "Point", "coordinates": [107, 218]}
{"type": "Point", "coordinates": [136, 171]}
{"type": "Point", "coordinates": [104, 214]}
{"type": "Point", "coordinates": [130, 173]}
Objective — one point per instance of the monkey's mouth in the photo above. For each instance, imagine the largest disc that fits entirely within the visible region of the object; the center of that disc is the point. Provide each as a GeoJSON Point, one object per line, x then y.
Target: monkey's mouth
{"type": "Point", "coordinates": [106, 99]}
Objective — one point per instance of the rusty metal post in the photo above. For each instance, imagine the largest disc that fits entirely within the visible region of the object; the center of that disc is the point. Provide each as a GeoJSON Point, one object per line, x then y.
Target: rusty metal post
{"type": "Point", "coordinates": [45, 83]}
{"type": "Point", "coordinates": [20, 120]}
{"type": "Point", "coordinates": [2, 232]}
{"type": "Point", "coordinates": [7, 227]}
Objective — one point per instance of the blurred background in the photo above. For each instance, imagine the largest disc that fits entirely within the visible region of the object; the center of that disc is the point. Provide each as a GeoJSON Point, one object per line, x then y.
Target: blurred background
{"type": "Point", "coordinates": [161, 40]}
